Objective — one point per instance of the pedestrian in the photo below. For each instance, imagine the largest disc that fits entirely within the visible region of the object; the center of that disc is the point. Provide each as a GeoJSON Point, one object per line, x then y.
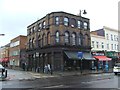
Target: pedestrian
{"type": "Point", "coordinates": [49, 68]}
{"type": "Point", "coordinates": [23, 66]}
{"type": "Point", "coordinates": [46, 69]}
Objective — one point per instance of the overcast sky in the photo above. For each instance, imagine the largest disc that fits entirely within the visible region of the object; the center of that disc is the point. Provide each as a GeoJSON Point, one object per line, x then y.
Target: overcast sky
{"type": "Point", "coordinates": [16, 15]}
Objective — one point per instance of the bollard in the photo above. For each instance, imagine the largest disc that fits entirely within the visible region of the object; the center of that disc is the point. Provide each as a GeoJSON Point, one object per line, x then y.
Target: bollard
{"type": "Point", "coordinates": [5, 73]}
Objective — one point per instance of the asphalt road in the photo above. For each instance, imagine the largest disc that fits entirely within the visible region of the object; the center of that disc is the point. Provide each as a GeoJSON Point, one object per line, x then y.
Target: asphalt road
{"type": "Point", "coordinates": [21, 79]}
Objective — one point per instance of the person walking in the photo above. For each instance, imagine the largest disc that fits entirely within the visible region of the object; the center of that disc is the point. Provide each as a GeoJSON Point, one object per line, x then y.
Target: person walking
{"type": "Point", "coordinates": [23, 66]}
{"type": "Point", "coordinates": [46, 69]}
{"type": "Point", "coordinates": [49, 68]}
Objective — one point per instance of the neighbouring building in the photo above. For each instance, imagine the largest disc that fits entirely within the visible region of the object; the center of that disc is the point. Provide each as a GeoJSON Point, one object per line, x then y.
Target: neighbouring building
{"type": "Point", "coordinates": [17, 45]}
{"type": "Point", "coordinates": [56, 39]}
{"type": "Point", "coordinates": [4, 55]}
{"type": "Point", "coordinates": [104, 44]}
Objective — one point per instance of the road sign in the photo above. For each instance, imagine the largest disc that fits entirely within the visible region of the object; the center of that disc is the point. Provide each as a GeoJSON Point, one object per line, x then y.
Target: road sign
{"type": "Point", "coordinates": [80, 55]}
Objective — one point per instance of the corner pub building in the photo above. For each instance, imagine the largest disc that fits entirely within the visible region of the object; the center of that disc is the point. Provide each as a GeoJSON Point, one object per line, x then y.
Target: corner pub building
{"type": "Point", "coordinates": [56, 39]}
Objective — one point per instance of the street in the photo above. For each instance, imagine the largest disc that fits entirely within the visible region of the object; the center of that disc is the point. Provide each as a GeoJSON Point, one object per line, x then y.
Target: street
{"type": "Point", "coordinates": [23, 79]}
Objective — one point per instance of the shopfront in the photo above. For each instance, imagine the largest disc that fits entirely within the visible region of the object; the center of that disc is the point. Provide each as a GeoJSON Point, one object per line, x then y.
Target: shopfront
{"type": "Point", "coordinates": [114, 56]}
{"type": "Point", "coordinates": [74, 62]}
{"type": "Point", "coordinates": [103, 62]}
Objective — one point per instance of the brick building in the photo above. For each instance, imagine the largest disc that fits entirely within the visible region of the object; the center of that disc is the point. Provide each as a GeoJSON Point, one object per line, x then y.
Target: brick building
{"type": "Point", "coordinates": [4, 55]}
{"type": "Point", "coordinates": [56, 39]}
{"type": "Point", "coordinates": [17, 45]}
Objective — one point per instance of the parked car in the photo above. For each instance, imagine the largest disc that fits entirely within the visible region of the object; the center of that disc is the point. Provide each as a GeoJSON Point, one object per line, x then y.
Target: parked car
{"type": "Point", "coordinates": [1, 68]}
{"type": "Point", "coordinates": [116, 68]}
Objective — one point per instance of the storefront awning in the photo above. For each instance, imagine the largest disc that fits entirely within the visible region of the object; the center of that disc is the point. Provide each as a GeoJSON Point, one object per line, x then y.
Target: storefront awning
{"type": "Point", "coordinates": [74, 55]}
{"type": "Point", "coordinates": [4, 59]}
{"type": "Point", "coordinates": [102, 58]}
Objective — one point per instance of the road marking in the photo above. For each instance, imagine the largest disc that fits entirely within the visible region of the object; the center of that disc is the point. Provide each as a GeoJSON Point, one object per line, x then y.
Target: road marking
{"type": "Point", "coordinates": [54, 86]}
{"type": "Point", "coordinates": [105, 74]}
{"type": "Point", "coordinates": [94, 81]}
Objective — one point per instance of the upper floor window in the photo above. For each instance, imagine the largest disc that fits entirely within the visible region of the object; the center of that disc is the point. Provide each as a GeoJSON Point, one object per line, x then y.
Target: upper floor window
{"type": "Point", "coordinates": [107, 46]}
{"type": "Point", "coordinates": [114, 38]}
{"type": "Point", "coordinates": [48, 38]}
{"type": "Point", "coordinates": [80, 39]}
{"type": "Point", "coordinates": [111, 37]}
{"type": "Point", "coordinates": [44, 24]}
{"type": "Point", "coordinates": [66, 21]}
{"type": "Point", "coordinates": [39, 41]}
{"type": "Point", "coordinates": [73, 22]}
{"type": "Point", "coordinates": [85, 25]}
{"type": "Point", "coordinates": [97, 44]}
{"type": "Point", "coordinates": [30, 43]}
{"type": "Point", "coordinates": [57, 20]}
{"type": "Point", "coordinates": [107, 36]}
{"type": "Point", "coordinates": [79, 24]}
{"type": "Point", "coordinates": [14, 44]}
{"type": "Point", "coordinates": [112, 46]}
{"type": "Point", "coordinates": [102, 45]}
{"type": "Point", "coordinates": [73, 39]}
{"type": "Point", "coordinates": [31, 30]}
{"type": "Point", "coordinates": [40, 26]}
{"type": "Point", "coordinates": [115, 47]}
{"type": "Point", "coordinates": [117, 38]}
{"type": "Point", "coordinates": [34, 28]}
{"type": "Point", "coordinates": [33, 42]}
{"type": "Point", "coordinates": [93, 44]}
{"type": "Point", "coordinates": [86, 41]}
{"type": "Point", "coordinates": [66, 37]}
{"type": "Point", "coordinates": [57, 37]}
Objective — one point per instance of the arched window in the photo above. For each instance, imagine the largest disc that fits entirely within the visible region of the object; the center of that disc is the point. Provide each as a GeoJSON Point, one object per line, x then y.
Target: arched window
{"type": "Point", "coordinates": [30, 43]}
{"type": "Point", "coordinates": [57, 20]}
{"type": "Point", "coordinates": [33, 42]}
{"type": "Point", "coordinates": [67, 37]}
{"type": "Point", "coordinates": [57, 37]}
{"type": "Point", "coordinates": [80, 39]}
{"type": "Point", "coordinates": [43, 41]}
{"type": "Point", "coordinates": [48, 38]}
{"type": "Point", "coordinates": [66, 21]}
{"type": "Point", "coordinates": [86, 42]}
{"type": "Point", "coordinates": [73, 39]}
{"type": "Point", "coordinates": [44, 24]}
{"type": "Point", "coordinates": [73, 22]}
{"type": "Point", "coordinates": [39, 41]}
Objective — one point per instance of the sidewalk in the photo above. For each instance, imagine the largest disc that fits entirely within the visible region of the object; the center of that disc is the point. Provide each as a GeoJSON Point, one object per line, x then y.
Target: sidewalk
{"type": "Point", "coordinates": [66, 73]}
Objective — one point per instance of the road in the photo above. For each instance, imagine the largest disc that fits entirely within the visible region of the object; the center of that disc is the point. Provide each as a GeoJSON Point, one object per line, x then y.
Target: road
{"type": "Point", "coordinates": [22, 79]}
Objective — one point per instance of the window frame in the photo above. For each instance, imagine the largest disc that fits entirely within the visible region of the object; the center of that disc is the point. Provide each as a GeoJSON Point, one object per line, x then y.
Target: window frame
{"type": "Point", "coordinates": [85, 25]}
{"type": "Point", "coordinates": [67, 37]}
{"type": "Point", "coordinates": [57, 20]}
{"type": "Point", "coordinates": [57, 37]}
{"type": "Point", "coordinates": [66, 21]}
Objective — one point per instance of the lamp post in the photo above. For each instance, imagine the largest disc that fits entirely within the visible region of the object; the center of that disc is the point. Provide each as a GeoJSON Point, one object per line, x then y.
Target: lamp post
{"type": "Point", "coordinates": [80, 56]}
{"type": "Point", "coordinates": [2, 34]}
{"type": "Point", "coordinates": [84, 12]}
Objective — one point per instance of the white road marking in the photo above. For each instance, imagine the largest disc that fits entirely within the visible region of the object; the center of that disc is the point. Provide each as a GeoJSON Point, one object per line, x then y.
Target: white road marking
{"type": "Point", "coordinates": [54, 86]}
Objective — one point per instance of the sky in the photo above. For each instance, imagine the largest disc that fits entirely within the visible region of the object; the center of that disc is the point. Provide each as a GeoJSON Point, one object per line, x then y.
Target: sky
{"type": "Point", "coordinates": [16, 15]}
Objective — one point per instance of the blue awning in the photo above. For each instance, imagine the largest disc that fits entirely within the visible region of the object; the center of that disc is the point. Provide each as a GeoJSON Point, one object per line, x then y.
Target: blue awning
{"type": "Point", "coordinates": [74, 55]}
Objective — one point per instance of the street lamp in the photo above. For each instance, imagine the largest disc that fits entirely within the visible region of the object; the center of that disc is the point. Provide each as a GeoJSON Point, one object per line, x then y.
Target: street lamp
{"type": "Point", "coordinates": [2, 34]}
{"type": "Point", "coordinates": [84, 12]}
{"type": "Point", "coordinates": [80, 56]}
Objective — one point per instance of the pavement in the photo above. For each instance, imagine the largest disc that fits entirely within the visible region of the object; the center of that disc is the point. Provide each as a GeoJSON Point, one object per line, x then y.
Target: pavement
{"type": "Point", "coordinates": [30, 75]}
{"type": "Point", "coordinates": [67, 73]}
